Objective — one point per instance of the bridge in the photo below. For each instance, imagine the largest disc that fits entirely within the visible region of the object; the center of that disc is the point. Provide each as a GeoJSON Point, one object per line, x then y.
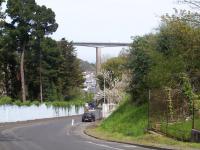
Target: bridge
{"type": "Point", "coordinates": [88, 44]}
{"type": "Point", "coordinates": [98, 47]}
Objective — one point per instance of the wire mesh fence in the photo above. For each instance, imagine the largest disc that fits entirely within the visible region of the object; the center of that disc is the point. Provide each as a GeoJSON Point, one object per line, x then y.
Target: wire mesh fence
{"type": "Point", "coordinates": [173, 114]}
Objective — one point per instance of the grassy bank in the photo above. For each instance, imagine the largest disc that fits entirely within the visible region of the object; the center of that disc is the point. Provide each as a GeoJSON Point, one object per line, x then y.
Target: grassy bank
{"type": "Point", "coordinates": [128, 124]}
{"type": "Point", "coordinates": [128, 119]}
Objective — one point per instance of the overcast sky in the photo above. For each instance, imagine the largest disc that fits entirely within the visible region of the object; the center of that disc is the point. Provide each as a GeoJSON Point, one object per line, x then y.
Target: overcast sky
{"type": "Point", "coordinates": [106, 21]}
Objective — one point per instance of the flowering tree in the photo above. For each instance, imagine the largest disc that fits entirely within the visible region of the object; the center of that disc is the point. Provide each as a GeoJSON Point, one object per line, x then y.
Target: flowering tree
{"type": "Point", "coordinates": [113, 90]}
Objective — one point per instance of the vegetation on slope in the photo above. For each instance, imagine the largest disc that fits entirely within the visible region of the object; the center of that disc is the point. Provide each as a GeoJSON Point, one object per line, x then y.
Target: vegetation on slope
{"type": "Point", "coordinates": [86, 66]}
{"type": "Point", "coordinates": [129, 123]}
{"type": "Point", "coordinates": [129, 119]}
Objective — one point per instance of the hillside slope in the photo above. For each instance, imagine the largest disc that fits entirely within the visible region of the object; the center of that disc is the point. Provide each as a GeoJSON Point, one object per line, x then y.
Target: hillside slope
{"type": "Point", "coordinates": [128, 119]}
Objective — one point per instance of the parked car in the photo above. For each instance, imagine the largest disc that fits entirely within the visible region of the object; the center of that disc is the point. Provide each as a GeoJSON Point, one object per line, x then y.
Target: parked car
{"type": "Point", "coordinates": [88, 116]}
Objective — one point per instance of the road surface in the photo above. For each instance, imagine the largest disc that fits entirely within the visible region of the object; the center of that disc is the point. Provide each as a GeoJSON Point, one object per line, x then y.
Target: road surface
{"type": "Point", "coordinates": [58, 134]}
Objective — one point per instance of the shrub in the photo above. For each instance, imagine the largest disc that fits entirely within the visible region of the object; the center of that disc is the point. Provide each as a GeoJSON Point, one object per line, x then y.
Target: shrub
{"type": "Point", "coordinates": [5, 100]}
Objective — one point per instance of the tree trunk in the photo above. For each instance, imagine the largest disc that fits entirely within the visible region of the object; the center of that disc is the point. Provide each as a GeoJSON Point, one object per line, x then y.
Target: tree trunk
{"type": "Point", "coordinates": [41, 92]}
{"type": "Point", "coordinates": [22, 74]}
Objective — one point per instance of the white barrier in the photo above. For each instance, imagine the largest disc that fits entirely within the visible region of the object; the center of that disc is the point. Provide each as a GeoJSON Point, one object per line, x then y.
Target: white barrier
{"type": "Point", "coordinates": [107, 109]}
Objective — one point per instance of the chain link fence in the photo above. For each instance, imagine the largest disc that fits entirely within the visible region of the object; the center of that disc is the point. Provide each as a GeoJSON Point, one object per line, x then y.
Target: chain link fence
{"type": "Point", "coordinates": [173, 114]}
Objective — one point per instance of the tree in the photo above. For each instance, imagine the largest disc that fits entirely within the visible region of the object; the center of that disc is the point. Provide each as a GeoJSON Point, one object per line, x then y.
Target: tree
{"type": "Point", "coordinates": [179, 40]}
{"type": "Point", "coordinates": [44, 24]}
{"type": "Point", "coordinates": [1, 30]}
{"type": "Point", "coordinates": [195, 4]}
{"type": "Point", "coordinates": [69, 70]}
{"type": "Point", "coordinates": [21, 13]}
{"type": "Point", "coordinates": [157, 60]}
{"type": "Point", "coordinates": [113, 79]}
{"type": "Point", "coordinates": [30, 21]}
{"type": "Point", "coordinates": [116, 65]}
{"type": "Point", "coordinates": [139, 64]}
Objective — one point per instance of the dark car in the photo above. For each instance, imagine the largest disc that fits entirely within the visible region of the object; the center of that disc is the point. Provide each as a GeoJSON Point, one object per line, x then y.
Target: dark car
{"type": "Point", "coordinates": [88, 116]}
{"type": "Point", "coordinates": [92, 105]}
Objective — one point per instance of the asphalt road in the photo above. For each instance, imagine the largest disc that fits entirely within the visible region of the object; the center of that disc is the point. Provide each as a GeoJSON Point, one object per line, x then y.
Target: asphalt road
{"type": "Point", "coordinates": [58, 134]}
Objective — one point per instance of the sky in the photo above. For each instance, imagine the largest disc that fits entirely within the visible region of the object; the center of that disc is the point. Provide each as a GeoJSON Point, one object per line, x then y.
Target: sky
{"type": "Point", "coordinates": [106, 21]}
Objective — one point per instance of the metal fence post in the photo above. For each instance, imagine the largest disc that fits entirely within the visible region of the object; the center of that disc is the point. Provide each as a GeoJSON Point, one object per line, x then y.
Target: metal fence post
{"type": "Point", "coordinates": [193, 115]}
{"type": "Point", "coordinates": [149, 109]}
{"type": "Point", "coordinates": [167, 116]}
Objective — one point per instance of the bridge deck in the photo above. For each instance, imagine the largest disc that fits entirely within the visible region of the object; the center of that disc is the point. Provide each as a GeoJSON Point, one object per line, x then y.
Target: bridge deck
{"type": "Point", "coordinates": [96, 44]}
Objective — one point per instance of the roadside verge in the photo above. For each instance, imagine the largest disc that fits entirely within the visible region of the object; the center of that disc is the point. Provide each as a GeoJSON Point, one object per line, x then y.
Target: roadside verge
{"type": "Point", "coordinates": [151, 141]}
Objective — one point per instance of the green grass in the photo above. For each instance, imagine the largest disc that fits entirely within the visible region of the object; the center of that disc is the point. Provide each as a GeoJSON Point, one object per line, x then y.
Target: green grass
{"type": "Point", "coordinates": [180, 130]}
{"type": "Point", "coordinates": [128, 119]}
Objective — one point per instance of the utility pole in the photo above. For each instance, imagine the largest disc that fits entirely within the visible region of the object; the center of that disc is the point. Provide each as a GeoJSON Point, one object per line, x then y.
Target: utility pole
{"type": "Point", "coordinates": [104, 87]}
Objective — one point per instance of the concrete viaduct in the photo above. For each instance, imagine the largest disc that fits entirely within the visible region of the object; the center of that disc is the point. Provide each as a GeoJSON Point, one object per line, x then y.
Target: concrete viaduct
{"type": "Point", "coordinates": [98, 47]}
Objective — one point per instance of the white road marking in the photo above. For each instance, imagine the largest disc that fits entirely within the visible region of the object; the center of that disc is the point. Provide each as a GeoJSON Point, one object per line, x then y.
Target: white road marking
{"type": "Point", "coordinates": [73, 122]}
{"type": "Point", "coordinates": [129, 146]}
{"type": "Point", "coordinates": [102, 145]}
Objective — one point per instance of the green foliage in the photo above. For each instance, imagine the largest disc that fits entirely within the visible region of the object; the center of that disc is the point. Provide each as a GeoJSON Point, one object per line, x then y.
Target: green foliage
{"type": "Point", "coordinates": [25, 50]}
{"type": "Point", "coordinates": [112, 70]}
{"type": "Point", "coordinates": [88, 97]}
{"type": "Point", "coordinates": [129, 119]}
{"type": "Point", "coordinates": [86, 66]}
{"type": "Point", "coordinates": [116, 65]}
{"type": "Point", "coordinates": [36, 103]}
{"type": "Point", "coordinates": [27, 103]}
{"type": "Point", "coordinates": [48, 63]}
{"type": "Point", "coordinates": [17, 103]}
{"type": "Point", "coordinates": [76, 102]}
{"type": "Point", "coordinates": [5, 100]}
{"type": "Point", "coordinates": [70, 75]}
{"type": "Point", "coordinates": [157, 60]}
{"type": "Point", "coordinates": [169, 102]}
{"type": "Point", "coordinates": [164, 71]}
{"type": "Point", "coordinates": [188, 91]}
{"type": "Point", "coordinates": [100, 81]}
{"type": "Point", "coordinates": [139, 64]}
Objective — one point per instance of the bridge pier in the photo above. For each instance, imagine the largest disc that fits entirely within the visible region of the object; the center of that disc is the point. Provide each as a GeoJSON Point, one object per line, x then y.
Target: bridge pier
{"type": "Point", "coordinates": [98, 60]}
{"type": "Point", "coordinates": [98, 49]}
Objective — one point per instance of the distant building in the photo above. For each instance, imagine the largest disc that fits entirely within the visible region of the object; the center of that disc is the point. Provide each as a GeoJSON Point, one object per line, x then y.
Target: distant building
{"type": "Point", "coordinates": [90, 82]}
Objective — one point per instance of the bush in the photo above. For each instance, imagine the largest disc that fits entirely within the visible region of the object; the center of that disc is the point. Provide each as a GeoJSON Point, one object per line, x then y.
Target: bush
{"type": "Point", "coordinates": [36, 103]}
{"type": "Point", "coordinates": [17, 102]}
{"type": "Point", "coordinates": [5, 100]}
{"type": "Point", "coordinates": [27, 103]}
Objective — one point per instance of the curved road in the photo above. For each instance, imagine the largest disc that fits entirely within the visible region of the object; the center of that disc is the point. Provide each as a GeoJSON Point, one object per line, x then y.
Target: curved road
{"type": "Point", "coordinates": [57, 134]}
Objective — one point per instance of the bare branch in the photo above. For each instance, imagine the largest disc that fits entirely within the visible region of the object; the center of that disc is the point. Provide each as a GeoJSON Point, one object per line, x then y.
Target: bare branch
{"type": "Point", "coordinates": [194, 4]}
